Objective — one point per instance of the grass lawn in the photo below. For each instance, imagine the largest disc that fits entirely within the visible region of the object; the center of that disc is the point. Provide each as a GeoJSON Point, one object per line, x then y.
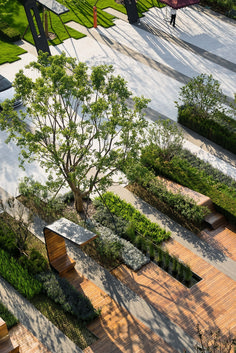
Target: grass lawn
{"type": "Point", "coordinates": [9, 52]}
{"type": "Point", "coordinates": [80, 11]}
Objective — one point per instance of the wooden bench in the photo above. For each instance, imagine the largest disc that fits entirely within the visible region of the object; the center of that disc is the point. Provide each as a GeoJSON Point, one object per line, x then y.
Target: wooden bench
{"type": "Point", "coordinates": [6, 344]}
{"type": "Point", "coordinates": [63, 264]}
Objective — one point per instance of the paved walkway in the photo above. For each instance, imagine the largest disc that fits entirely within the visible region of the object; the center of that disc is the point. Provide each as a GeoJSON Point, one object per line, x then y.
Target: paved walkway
{"type": "Point", "coordinates": [35, 322]}
{"type": "Point", "coordinates": [156, 60]}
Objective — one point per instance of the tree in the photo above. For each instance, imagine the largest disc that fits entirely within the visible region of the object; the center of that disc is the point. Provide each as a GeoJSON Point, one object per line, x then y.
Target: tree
{"type": "Point", "coordinates": [22, 221]}
{"type": "Point", "coordinates": [168, 136]}
{"type": "Point", "coordinates": [81, 130]}
{"type": "Point", "coordinates": [202, 93]}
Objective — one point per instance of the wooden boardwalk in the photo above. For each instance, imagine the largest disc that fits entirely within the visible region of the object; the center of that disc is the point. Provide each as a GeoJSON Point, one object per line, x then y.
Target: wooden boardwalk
{"type": "Point", "coordinates": [117, 330]}
{"type": "Point", "coordinates": [26, 340]}
{"type": "Point", "coordinates": [223, 238]}
{"type": "Point", "coordinates": [211, 302]}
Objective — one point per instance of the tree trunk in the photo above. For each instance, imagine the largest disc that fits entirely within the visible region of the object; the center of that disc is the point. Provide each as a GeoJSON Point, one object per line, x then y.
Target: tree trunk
{"type": "Point", "coordinates": [78, 201]}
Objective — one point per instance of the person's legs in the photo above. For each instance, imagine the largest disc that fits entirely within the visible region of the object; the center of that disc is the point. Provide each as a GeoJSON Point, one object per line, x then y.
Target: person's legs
{"type": "Point", "coordinates": [174, 16]}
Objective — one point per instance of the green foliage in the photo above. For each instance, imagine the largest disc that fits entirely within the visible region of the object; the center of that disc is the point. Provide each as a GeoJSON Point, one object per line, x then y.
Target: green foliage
{"type": "Point", "coordinates": [9, 34]}
{"type": "Point", "coordinates": [143, 226]}
{"type": "Point", "coordinates": [180, 269]}
{"type": "Point", "coordinates": [174, 264]}
{"type": "Point", "coordinates": [203, 94]}
{"type": "Point", "coordinates": [109, 250]}
{"type": "Point", "coordinates": [72, 301]}
{"type": "Point", "coordinates": [167, 136]}
{"type": "Point", "coordinates": [17, 276]}
{"type": "Point", "coordinates": [97, 115]}
{"type": "Point", "coordinates": [7, 316]}
{"type": "Point", "coordinates": [187, 273]}
{"type": "Point", "coordinates": [181, 171]}
{"type": "Point", "coordinates": [42, 199]}
{"type": "Point", "coordinates": [35, 263]}
{"type": "Point", "coordinates": [8, 240]}
{"type": "Point", "coordinates": [218, 127]}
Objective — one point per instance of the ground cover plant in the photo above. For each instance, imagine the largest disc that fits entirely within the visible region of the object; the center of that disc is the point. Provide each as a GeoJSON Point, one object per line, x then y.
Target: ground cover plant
{"type": "Point", "coordinates": [20, 270]}
{"type": "Point", "coordinates": [17, 276]}
{"type": "Point", "coordinates": [111, 244]}
{"type": "Point", "coordinates": [150, 251]}
{"type": "Point", "coordinates": [142, 225]}
{"type": "Point", "coordinates": [183, 172]}
{"type": "Point", "coordinates": [67, 323]}
{"type": "Point", "coordinates": [8, 317]}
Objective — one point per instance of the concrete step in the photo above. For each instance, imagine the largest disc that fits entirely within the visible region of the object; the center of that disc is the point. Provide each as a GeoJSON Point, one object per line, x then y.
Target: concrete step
{"type": "Point", "coordinates": [215, 220]}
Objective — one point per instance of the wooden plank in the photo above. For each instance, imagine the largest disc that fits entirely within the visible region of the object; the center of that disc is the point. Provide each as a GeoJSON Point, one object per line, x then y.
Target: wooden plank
{"type": "Point", "coordinates": [117, 330]}
{"type": "Point", "coordinates": [63, 264]}
{"type": "Point", "coordinates": [56, 246]}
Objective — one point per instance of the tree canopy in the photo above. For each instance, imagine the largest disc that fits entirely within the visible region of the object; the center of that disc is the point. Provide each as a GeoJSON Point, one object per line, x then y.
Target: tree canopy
{"type": "Point", "coordinates": [78, 125]}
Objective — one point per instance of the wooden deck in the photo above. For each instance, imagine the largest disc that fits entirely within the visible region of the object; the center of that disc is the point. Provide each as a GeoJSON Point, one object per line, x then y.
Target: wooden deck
{"type": "Point", "coordinates": [26, 340]}
{"type": "Point", "coordinates": [223, 238]}
{"type": "Point", "coordinates": [116, 329]}
{"type": "Point", "coordinates": [210, 302]}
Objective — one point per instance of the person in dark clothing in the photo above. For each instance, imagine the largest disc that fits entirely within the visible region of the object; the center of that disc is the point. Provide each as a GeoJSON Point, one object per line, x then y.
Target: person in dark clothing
{"type": "Point", "coordinates": [173, 16]}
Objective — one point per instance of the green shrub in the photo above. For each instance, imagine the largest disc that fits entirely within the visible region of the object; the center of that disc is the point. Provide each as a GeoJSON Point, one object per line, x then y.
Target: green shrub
{"type": "Point", "coordinates": [18, 276]}
{"type": "Point", "coordinates": [174, 264]}
{"type": "Point", "coordinates": [180, 269]}
{"type": "Point", "coordinates": [187, 273]}
{"type": "Point", "coordinates": [8, 33]}
{"type": "Point", "coordinates": [7, 316]}
{"type": "Point", "coordinates": [8, 240]}
{"type": "Point", "coordinates": [35, 263]}
{"type": "Point", "coordinates": [181, 171]}
{"type": "Point", "coordinates": [143, 225]}
{"type": "Point", "coordinates": [109, 250]}
{"type": "Point", "coordinates": [166, 259]}
{"type": "Point", "coordinates": [61, 292]}
{"type": "Point", "coordinates": [218, 128]}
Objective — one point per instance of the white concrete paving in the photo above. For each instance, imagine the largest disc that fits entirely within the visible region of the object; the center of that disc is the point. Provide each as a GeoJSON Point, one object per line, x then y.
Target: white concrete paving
{"type": "Point", "coordinates": [203, 30]}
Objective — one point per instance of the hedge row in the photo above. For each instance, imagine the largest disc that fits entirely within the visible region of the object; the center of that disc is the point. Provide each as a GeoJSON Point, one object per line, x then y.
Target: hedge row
{"type": "Point", "coordinates": [142, 224]}
{"type": "Point", "coordinates": [168, 263]}
{"type": "Point", "coordinates": [8, 317]}
{"type": "Point", "coordinates": [8, 33]}
{"type": "Point", "coordinates": [182, 172]}
{"type": "Point", "coordinates": [17, 276]}
{"type": "Point", "coordinates": [220, 129]}
{"type": "Point", "coordinates": [61, 292]}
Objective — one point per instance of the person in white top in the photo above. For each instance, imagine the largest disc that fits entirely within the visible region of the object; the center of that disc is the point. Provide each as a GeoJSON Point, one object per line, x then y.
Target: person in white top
{"type": "Point", "coordinates": [173, 16]}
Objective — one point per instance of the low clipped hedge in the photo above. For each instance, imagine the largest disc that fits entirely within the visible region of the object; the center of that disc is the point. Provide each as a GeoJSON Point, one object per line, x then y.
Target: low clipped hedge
{"type": "Point", "coordinates": [181, 171]}
{"type": "Point", "coordinates": [61, 292]}
{"type": "Point", "coordinates": [142, 224]}
{"type": "Point", "coordinates": [8, 33]}
{"type": "Point", "coordinates": [220, 128]}
{"type": "Point", "coordinates": [7, 316]}
{"type": "Point", "coordinates": [17, 276]}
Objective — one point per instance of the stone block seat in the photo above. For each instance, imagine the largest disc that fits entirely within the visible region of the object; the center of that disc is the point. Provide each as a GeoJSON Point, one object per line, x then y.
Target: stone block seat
{"type": "Point", "coordinates": [214, 219]}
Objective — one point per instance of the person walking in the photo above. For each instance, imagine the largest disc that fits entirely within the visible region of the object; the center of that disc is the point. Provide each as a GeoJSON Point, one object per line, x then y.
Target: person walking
{"type": "Point", "coordinates": [173, 16]}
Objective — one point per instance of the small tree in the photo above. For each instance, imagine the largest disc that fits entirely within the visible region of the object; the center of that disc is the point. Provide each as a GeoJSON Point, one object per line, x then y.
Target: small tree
{"type": "Point", "coordinates": [166, 135]}
{"type": "Point", "coordinates": [81, 130]}
{"type": "Point", "coordinates": [21, 223]}
{"type": "Point", "coordinates": [202, 93]}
